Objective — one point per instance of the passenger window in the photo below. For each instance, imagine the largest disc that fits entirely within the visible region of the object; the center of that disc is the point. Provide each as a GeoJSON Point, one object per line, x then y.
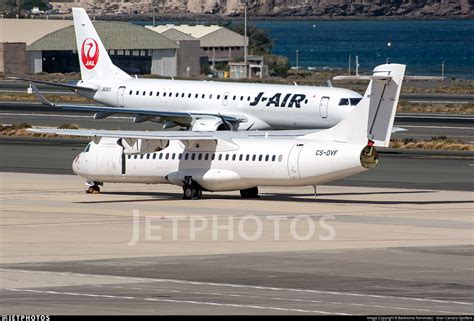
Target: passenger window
{"type": "Point", "coordinates": [241, 97]}
{"type": "Point", "coordinates": [344, 102]}
{"type": "Point", "coordinates": [196, 96]}
{"type": "Point", "coordinates": [254, 157]}
{"type": "Point", "coordinates": [193, 156]}
{"type": "Point", "coordinates": [154, 155]}
{"type": "Point", "coordinates": [170, 94]}
{"type": "Point", "coordinates": [218, 96]}
{"type": "Point", "coordinates": [136, 156]}
{"type": "Point", "coordinates": [137, 92]}
{"type": "Point", "coordinates": [247, 158]}
{"type": "Point", "coordinates": [266, 158]}
{"type": "Point", "coordinates": [186, 156]}
{"type": "Point", "coordinates": [151, 93]}
{"type": "Point", "coordinates": [164, 94]}
{"type": "Point", "coordinates": [172, 156]}
{"type": "Point", "coordinates": [182, 95]}
{"type": "Point", "coordinates": [273, 158]}
{"type": "Point", "coordinates": [225, 97]}
{"type": "Point", "coordinates": [180, 155]}
{"type": "Point", "coordinates": [131, 91]}
{"type": "Point", "coordinates": [203, 95]}
{"type": "Point", "coordinates": [241, 157]}
{"type": "Point", "coordinates": [147, 156]}
{"type": "Point", "coordinates": [206, 157]}
{"type": "Point", "coordinates": [248, 98]}
{"type": "Point", "coordinates": [227, 157]}
{"type": "Point", "coordinates": [167, 155]}
{"type": "Point", "coordinates": [161, 156]}
{"type": "Point", "coordinates": [234, 157]}
{"type": "Point", "coordinates": [234, 97]}
{"type": "Point", "coordinates": [210, 96]}
{"type": "Point", "coordinates": [199, 156]}
{"type": "Point", "coordinates": [260, 158]}
{"type": "Point", "coordinates": [213, 156]}
{"type": "Point", "coordinates": [177, 94]}
{"type": "Point", "coordinates": [306, 101]}
{"type": "Point", "coordinates": [280, 158]}
{"type": "Point", "coordinates": [220, 157]}
{"type": "Point", "coordinates": [141, 156]}
{"type": "Point", "coordinates": [189, 95]}
{"type": "Point", "coordinates": [157, 94]}
{"type": "Point", "coordinates": [144, 93]}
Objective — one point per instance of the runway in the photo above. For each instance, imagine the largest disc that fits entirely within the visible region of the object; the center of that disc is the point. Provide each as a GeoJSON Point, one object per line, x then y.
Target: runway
{"type": "Point", "coordinates": [419, 126]}
{"type": "Point", "coordinates": [382, 250]}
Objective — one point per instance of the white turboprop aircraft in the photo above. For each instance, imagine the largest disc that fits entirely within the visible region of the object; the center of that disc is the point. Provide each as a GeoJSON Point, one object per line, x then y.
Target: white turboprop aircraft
{"type": "Point", "coordinates": [233, 160]}
{"type": "Point", "coordinates": [199, 105]}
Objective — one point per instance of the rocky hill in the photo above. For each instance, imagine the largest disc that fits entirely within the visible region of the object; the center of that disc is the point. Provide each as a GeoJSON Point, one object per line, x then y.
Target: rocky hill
{"type": "Point", "coordinates": [284, 8]}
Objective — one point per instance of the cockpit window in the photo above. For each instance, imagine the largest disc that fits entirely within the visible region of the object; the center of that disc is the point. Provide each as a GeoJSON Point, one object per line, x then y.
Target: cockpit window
{"type": "Point", "coordinates": [355, 101]}
{"type": "Point", "coordinates": [344, 102]}
{"type": "Point", "coordinates": [87, 148]}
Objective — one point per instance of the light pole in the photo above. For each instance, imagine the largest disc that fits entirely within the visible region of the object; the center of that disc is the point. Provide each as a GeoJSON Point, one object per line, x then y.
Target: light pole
{"type": "Point", "coordinates": [246, 3]}
{"type": "Point", "coordinates": [297, 56]}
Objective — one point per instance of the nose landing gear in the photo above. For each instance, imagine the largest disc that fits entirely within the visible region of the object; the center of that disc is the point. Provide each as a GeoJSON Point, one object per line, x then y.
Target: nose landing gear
{"type": "Point", "coordinates": [93, 188]}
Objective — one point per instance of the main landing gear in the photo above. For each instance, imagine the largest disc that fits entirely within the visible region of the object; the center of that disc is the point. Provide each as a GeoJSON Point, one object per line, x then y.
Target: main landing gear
{"type": "Point", "coordinates": [191, 189]}
{"type": "Point", "coordinates": [249, 193]}
{"type": "Point", "coordinates": [93, 188]}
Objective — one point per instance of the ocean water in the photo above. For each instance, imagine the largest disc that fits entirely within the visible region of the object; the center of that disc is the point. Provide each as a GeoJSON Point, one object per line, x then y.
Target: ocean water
{"type": "Point", "coordinates": [421, 45]}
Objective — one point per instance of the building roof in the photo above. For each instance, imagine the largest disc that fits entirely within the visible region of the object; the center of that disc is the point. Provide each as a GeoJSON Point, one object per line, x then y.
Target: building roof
{"type": "Point", "coordinates": [114, 35]}
{"type": "Point", "coordinates": [210, 36]}
{"type": "Point", "coordinates": [177, 35]}
{"type": "Point", "coordinates": [29, 30]}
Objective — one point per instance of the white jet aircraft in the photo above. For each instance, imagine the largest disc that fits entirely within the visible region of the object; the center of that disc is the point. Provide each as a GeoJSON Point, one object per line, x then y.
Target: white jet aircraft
{"type": "Point", "coordinates": [198, 105]}
{"type": "Point", "coordinates": [233, 160]}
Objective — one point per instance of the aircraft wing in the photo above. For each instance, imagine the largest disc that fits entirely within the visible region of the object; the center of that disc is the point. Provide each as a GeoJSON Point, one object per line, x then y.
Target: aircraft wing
{"type": "Point", "coordinates": [64, 85]}
{"type": "Point", "coordinates": [173, 134]}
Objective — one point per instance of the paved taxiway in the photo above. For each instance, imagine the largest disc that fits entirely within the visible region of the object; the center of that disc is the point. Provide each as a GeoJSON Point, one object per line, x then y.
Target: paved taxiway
{"type": "Point", "coordinates": [395, 251]}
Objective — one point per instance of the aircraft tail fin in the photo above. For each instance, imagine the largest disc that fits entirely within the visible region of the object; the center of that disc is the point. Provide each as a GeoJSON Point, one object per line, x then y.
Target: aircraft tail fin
{"type": "Point", "coordinates": [371, 121]}
{"type": "Point", "coordinates": [94, 60]}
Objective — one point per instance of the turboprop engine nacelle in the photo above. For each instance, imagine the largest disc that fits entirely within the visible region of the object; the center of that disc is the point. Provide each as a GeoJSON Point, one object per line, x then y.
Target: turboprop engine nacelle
{"type": "Point", "coordinates": [142, 146]}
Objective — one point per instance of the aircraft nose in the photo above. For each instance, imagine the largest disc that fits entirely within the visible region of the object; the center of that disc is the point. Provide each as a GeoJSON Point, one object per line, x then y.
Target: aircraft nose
{"type": "Point", "coordinates": [76, 164]}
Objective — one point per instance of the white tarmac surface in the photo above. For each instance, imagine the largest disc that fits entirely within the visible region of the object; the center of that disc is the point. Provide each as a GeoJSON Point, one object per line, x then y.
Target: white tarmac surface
{"type": "Point", "coordinates": [352, 250]}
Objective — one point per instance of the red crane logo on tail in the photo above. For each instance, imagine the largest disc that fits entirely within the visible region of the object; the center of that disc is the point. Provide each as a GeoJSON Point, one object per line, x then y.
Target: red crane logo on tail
{"type": "Point", "coordinates": [89, 53]}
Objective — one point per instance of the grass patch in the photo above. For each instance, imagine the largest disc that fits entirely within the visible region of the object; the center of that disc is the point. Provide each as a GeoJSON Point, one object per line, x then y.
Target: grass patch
{"type": "Point", "coordinates": [435, 143]}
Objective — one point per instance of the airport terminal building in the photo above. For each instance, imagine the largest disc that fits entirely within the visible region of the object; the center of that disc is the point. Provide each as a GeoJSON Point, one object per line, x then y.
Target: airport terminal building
{"type": "Point", "coordinates": [34, 46]}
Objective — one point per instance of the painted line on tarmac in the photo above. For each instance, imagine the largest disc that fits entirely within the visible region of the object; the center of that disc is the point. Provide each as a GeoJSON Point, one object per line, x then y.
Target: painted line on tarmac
{"type": "Point", "coordinates": [230, 285]}
{"type": "Point", "coordinates": [246, 306]}
{"type": "Point", "coordinates": [278, 299]}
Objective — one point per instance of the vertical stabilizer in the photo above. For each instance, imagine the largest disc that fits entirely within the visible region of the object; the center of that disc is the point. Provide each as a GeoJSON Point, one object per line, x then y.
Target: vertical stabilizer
{"type": "Point", "coordinates": [372, 118]}
{"type": "Point", "coordinates": [94, 60]}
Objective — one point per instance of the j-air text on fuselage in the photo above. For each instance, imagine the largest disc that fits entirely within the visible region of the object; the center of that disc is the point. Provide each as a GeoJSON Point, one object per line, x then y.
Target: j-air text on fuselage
{"type": "Point", "coordinates": [244, 160]}
{"type": "Point", "coordinates": [197, 105]}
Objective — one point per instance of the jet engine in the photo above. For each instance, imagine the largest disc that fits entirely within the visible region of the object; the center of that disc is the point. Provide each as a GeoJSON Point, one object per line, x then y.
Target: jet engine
{"type": "Point", "coordinates": [210, 124]}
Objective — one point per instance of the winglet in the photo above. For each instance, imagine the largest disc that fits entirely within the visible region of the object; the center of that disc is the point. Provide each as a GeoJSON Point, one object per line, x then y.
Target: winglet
{"type": "Point", "coordinates": [41, 97]}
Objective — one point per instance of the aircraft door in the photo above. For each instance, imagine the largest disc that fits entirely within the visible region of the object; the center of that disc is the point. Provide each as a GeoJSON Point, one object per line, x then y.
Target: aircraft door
{"type": "Point", "coordinates": [293, 157]}
{"type": "Point", "coordinates": [323, 107]}
{"type": "Point", "coordinates": [225, 99]}
{"type": "Point", "coordinates": [111, 160]}
{"type": "Point", "coordinates": [121, 96]}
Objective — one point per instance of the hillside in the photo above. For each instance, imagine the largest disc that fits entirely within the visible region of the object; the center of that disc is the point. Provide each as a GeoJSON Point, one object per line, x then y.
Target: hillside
{"type": "Point", "coordinates": [283, 8]}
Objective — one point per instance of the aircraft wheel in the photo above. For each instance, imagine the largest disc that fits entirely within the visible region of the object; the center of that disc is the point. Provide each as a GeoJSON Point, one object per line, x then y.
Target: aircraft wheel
{"type": "Point", "coordinates": [249, 193]}
{"type": "Point", "coordinates": [93, 189]}
{"type": "Point", "coordinates": [188, 192]}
